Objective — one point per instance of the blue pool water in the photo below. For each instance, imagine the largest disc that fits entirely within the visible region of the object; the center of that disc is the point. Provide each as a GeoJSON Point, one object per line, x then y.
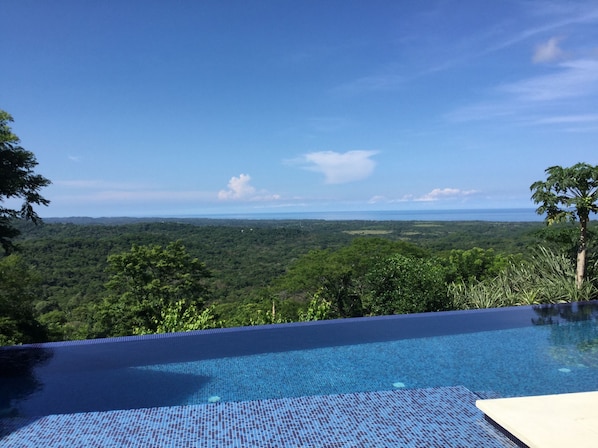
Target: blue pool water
{"type": "Point", "coordinates": [508, 352]}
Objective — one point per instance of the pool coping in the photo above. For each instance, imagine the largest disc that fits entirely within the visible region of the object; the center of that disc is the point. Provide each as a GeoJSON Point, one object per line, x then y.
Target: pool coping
{"type": "Point", "coordinates": [547, 420]}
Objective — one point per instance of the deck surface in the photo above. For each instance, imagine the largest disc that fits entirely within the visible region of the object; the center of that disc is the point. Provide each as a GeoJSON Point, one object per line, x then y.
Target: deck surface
{"type": "Point", "coordinates": [548, 420]}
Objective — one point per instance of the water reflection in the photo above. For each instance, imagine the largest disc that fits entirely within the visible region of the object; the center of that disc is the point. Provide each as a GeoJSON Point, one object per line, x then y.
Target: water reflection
{"type": "Point", "coordinates": [551, 314]}
{"type": "Point", "coordinates": [573, 332]}
{"type": "Point", "coordinates": [17, 375]}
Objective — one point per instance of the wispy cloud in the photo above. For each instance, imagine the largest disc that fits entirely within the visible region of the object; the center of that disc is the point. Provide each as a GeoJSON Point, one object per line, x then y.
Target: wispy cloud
{"type": "Point", "coordinates": [95, 184]}
{"type": "Point", "coordinates": [239, 188]}
{"type": "Point", "coordinates": [569, 119]}
{"type": "Point", "coordinates": [572, 80]}
{"type": "Point", "coordinates": [373, 83]}
{"type": "Point", "coordinates": [149, 196]}
{"type": "Point", "coordinates": [437, 194]}
{"type": "Point", "coordinates": [339, 168]}
{"type": "Point", "coordinates": [569, 82]}
{"type": "Point", "coordinates": [555, 17]}
{"type": "Point", "coordinates": [100, 191]}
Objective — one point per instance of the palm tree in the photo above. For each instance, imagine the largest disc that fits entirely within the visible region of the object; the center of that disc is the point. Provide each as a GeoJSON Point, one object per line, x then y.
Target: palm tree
{"type": "Point", "coordinates": [569, 194]}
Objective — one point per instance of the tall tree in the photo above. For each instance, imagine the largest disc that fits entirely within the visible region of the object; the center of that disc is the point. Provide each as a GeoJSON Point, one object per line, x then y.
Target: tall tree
{"type": "Point", "coordinates": [17, 180]}
{"type": "Point", "coordinates": [569, 194]}
{"type": "Point", "coordinates": [151, 287]}
{"type": "Point", "coordinates": [19, 289]}
{"type": "Point", "coordinates": [403, 284]}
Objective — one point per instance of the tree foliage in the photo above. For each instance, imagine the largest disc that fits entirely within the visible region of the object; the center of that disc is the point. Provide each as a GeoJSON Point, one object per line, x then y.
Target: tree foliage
{"type": "Point", "coordinates": [403, 284]}
{"type": "Point", "coordinates": [17, 181]}
{"type": "Point", "coordinates": [474, 264]}
{"type": "Point", "coordinates": [569, 194]}
{"type": "Point", "coordinates": [317, 309]}
{"type": "Point", "coordinates": [338, 278]}
{"type": "Point", "coordinates": [18, 292]}
{"type": "Point", "coordinates": [180, 316]}
{"type": "Point", "coordinates": [149, 283]}
{"type": "Point", "coordinates": [544, 277]}
{"type": "Point", "coordinates": [262, 271]}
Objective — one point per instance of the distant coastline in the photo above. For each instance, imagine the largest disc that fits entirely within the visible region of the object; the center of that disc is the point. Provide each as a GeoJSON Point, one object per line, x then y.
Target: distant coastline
{"type": "Point", "coordinates": [489, 215]}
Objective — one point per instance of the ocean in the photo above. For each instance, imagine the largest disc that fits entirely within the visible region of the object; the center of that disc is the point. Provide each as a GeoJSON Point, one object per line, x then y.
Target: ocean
{"type": "Point", "coordinates": [491, 215]}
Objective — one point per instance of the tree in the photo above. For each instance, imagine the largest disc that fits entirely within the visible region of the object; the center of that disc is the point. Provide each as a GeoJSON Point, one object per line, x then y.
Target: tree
{"type": "Point", "coordinates": [569, 194]}
{"type": "Point", "coordinates": [545, 277]}
{"type": "Point", "coordinates": [17, 181]}
{"type": "Point", "coordinates": [20, 288]}
{"type": "Point", "coordinates": [150, 288]}
{"type": "Point", "coordinates": [403, 284]}
{"type": "Point", "coordinates": [338, 277]}
{"type": "Point", "coordinates": [473, 264]}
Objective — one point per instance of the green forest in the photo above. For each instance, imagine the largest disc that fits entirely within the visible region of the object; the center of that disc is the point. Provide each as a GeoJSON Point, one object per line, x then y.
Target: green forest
{"type": "Point", "coordinates": [85, 278]}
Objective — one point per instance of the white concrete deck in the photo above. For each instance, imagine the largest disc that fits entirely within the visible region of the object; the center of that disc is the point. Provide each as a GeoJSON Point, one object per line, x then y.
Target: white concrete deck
{"type": "Point", "coordinates": [565, 420]}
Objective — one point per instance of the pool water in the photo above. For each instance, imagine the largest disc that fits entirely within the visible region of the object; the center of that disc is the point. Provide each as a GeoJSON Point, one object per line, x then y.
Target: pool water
{"type": "Point", "coordinates": [516, 362]}
{"type": "Point", "coordinates": [526, 351]}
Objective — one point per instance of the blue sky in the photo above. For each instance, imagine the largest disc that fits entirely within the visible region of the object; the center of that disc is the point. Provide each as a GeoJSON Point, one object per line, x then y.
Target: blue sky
{"type": "Point", "coordinates": [183, 107]}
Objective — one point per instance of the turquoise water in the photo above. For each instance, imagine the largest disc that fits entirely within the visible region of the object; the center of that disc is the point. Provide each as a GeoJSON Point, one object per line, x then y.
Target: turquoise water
{"type": "Point", "coordinates": [515, 362]}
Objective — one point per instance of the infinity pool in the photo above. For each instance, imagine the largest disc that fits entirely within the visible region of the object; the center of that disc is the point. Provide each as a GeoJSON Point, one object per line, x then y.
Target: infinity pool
{"type": "Point", "coordinates": [508, 352]}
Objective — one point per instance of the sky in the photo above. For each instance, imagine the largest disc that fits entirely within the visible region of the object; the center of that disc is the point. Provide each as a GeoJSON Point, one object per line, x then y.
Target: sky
{"type": "Point", "coordinates": [191, 108]}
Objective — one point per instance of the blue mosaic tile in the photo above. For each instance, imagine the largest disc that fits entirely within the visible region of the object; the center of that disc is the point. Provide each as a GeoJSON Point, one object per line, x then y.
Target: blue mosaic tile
{"type": "Point", "coordinates": [436, 417]}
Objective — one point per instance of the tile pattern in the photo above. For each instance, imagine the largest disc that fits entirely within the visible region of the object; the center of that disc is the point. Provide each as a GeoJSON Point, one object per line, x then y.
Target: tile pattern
{"type": "Point", "coordinates": [437, 417]}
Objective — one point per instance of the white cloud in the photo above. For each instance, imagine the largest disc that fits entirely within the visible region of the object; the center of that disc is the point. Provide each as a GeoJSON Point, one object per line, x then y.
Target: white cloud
{"type": "Point", "coordinates": [548, 51]}
{"type": "Point", "coordinates": [240, 189]}
{"type": "Point", "coordinates": [98, 191]}
{"type": "Point", "coordinates": [340, 168]}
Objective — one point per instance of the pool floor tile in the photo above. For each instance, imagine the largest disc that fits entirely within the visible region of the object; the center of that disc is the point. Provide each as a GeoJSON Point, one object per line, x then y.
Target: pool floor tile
{"type": "Point", "coordinates": [437, 417]}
